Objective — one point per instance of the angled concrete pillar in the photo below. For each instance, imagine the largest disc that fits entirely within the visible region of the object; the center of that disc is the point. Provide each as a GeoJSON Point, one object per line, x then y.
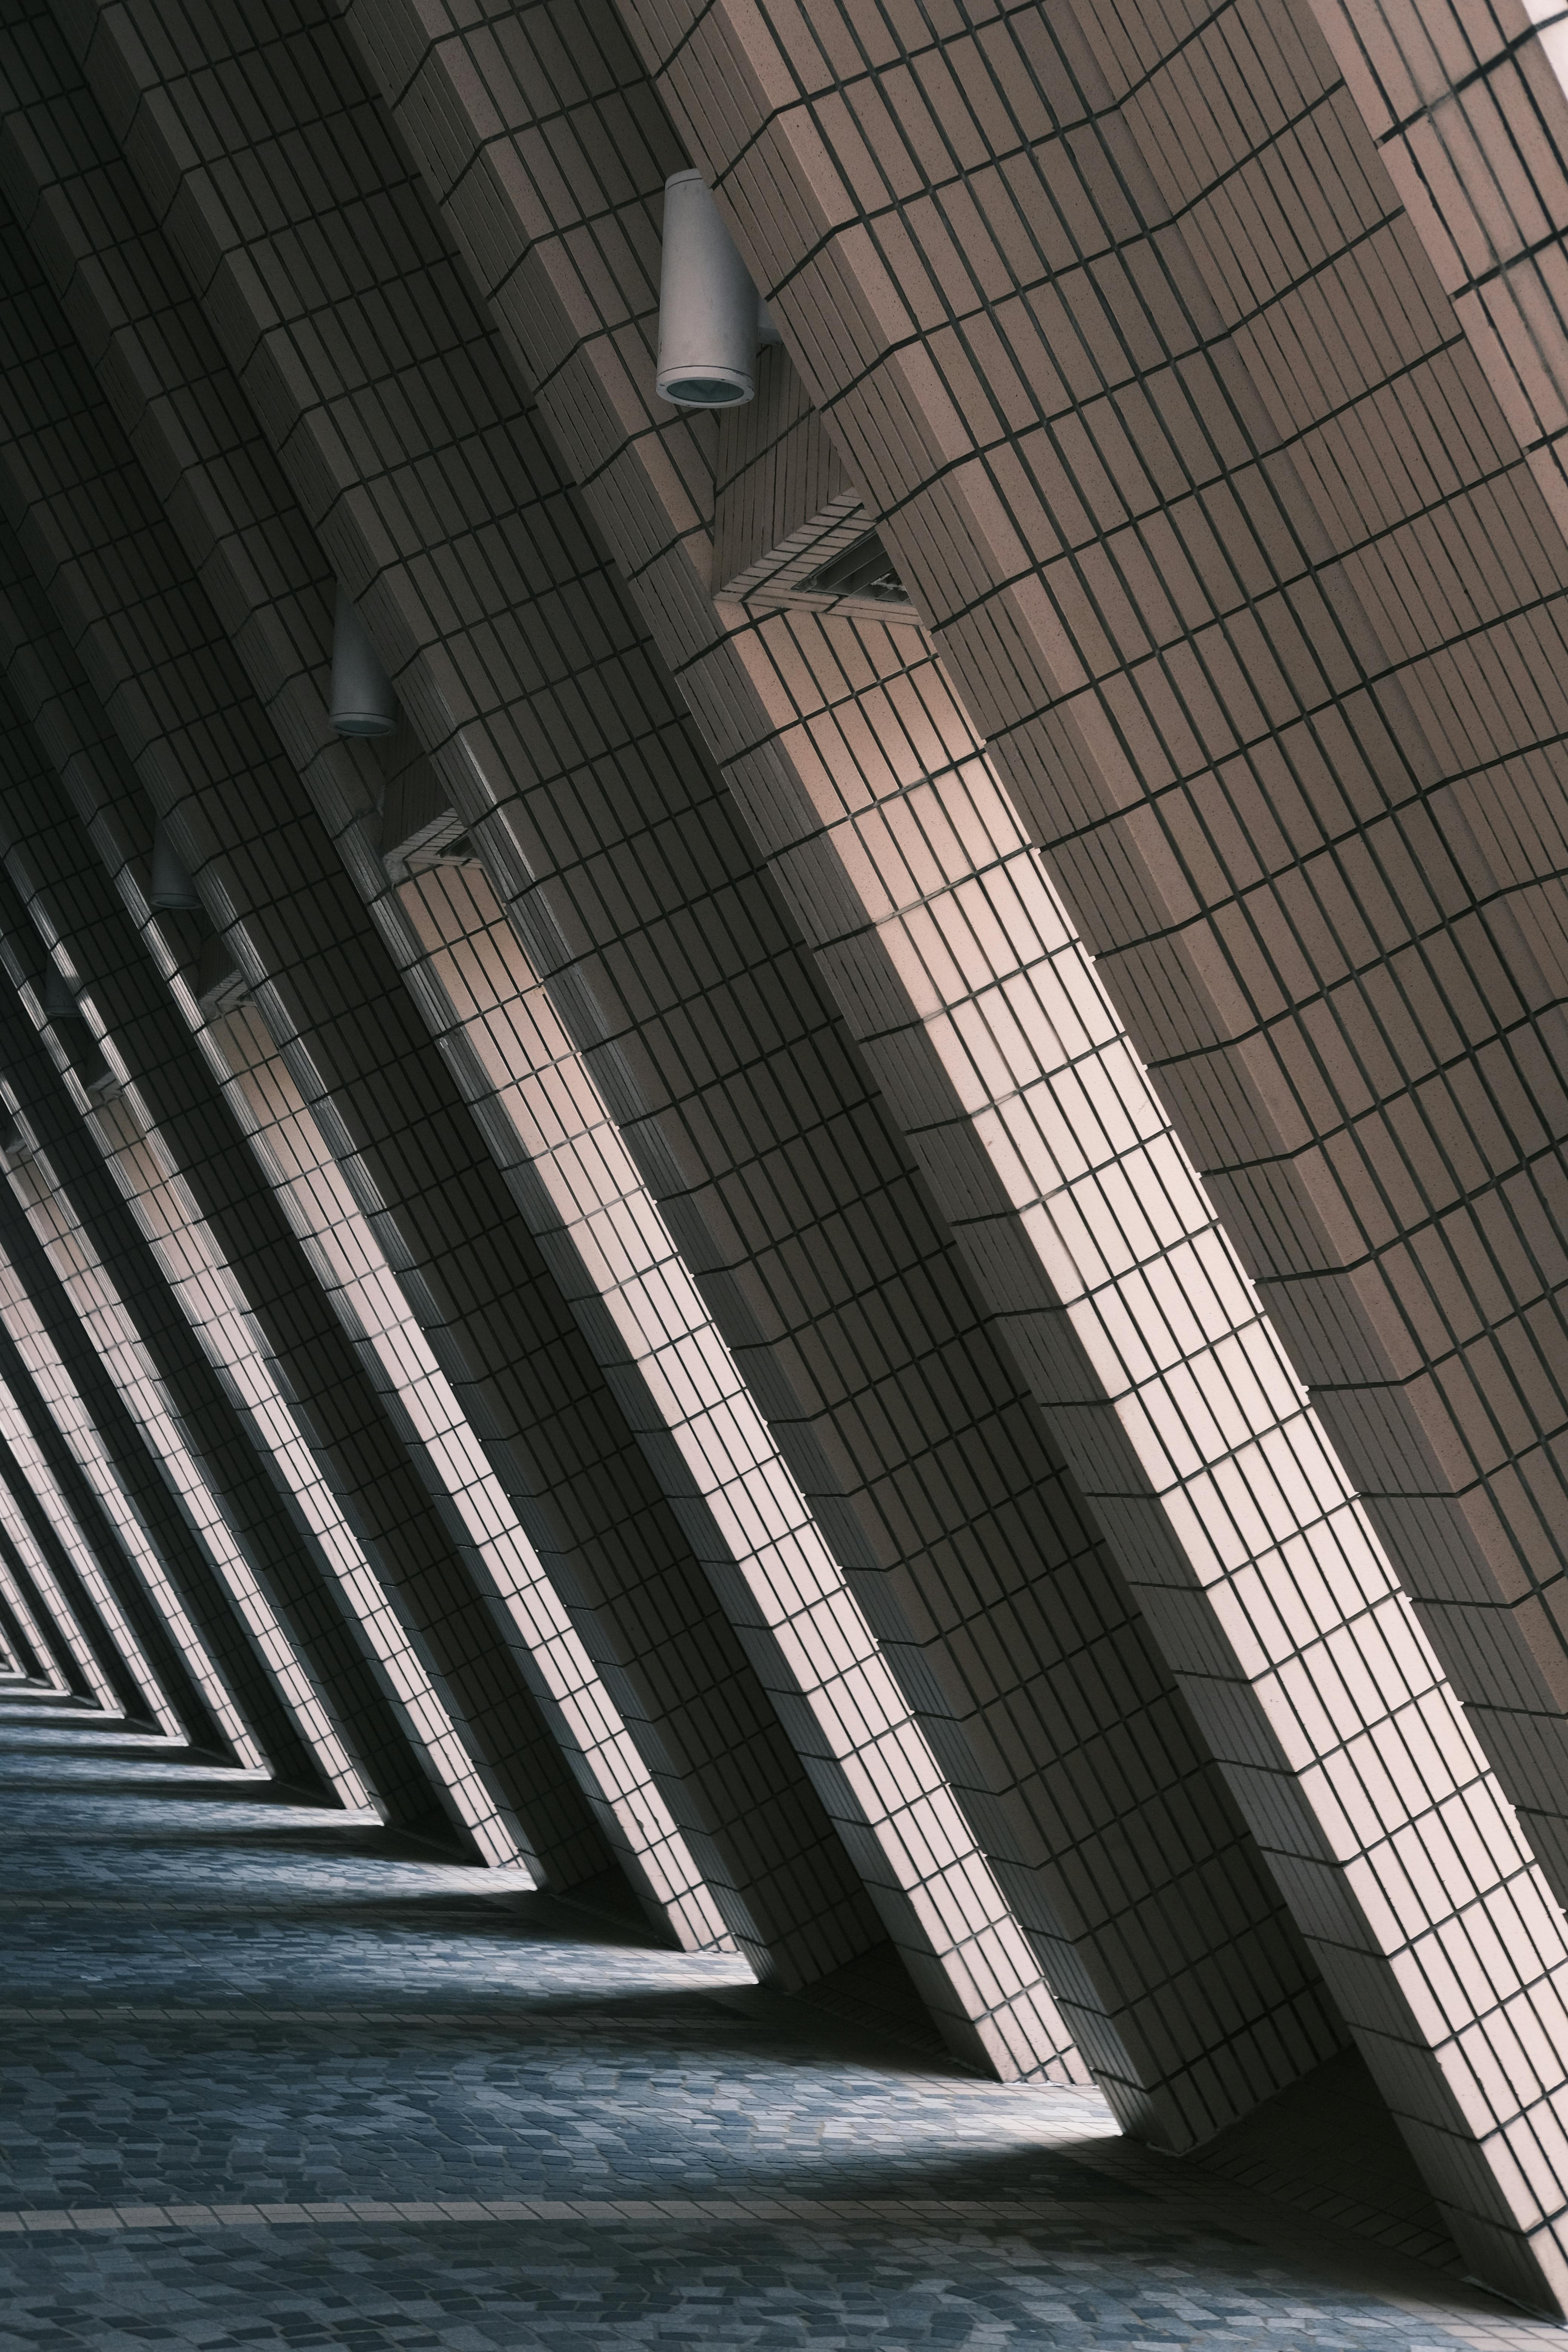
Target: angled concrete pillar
{"type": "Point", "coordinates": [139, 1588]}
{"type": "Point", "coordinates": [217, 1232]}
{"type": "Point", "coordinates": [29, 1662]}
{"type": "Point", "coordinates": [1152, 650]}
{"type": "Point", "coordinates": [1030, 2036]}
{"type": "Point", "coordinates": [805, 1894]}
{"type": "Point", "coordinates": [118, 1464]}
{"type": "Point", "coordinates": [703, 1161]}
{"type": "Point", "coordinates": [287, 1595]}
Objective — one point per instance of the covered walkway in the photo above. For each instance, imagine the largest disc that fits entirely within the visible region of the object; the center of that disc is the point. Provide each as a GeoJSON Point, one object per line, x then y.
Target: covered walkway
{"type": "Point", "coordinates": [273, 2078]}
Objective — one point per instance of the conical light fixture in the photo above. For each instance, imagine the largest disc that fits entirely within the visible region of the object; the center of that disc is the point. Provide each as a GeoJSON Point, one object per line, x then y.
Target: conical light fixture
{"type": "Point", "coordinates": [710, 316]}
{"type": "Point", "coordinates": [363, 700]}
{"type": "Point", "coordinates": [174, 890]}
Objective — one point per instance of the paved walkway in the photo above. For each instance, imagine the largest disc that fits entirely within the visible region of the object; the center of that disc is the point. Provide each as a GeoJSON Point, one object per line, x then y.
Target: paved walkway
{"type": "Point", "coordinates": [269, 2082]}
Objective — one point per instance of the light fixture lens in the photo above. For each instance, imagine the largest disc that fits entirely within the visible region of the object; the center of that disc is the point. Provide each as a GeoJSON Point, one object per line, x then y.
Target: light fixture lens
{"type": "Point", "coordinates": [703, 391]}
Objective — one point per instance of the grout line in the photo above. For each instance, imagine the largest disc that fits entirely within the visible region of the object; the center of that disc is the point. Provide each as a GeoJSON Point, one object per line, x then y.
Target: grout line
{"type": "Point", "coordinates": [1479, 2332]}
{"type": "Point", "coordinates": [775, 2209]}
{"type": "Point", "coordinates": [500, 2011]}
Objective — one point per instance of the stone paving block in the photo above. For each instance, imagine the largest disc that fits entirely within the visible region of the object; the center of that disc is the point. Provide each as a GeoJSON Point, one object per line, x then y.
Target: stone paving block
{"type": "Point", "coordinates": [340, 2098]}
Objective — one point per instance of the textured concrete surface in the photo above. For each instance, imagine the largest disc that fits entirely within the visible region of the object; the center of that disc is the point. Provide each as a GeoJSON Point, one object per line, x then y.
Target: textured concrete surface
{"type": "Point", "coordinates": [273, 2079]}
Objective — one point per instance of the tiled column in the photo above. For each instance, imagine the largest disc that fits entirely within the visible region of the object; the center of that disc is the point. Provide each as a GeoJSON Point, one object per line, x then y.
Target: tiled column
{"type": "Point", "coordinates": [676, 1669]}
{"type": "Point", "coordinates": [641, 1312]}
{"type": "Point", "coordinates": [69, 1376]}
{"type": "Point", "coordinates": [287, 1598]}
{"type": "Point", "coordinates": [528, 1614]}
{"type": "Point", "coordinates": [587, 353]}
{"type": "Point", "coordinates": [990, 1484]}
{"type": "Point", "coordinates": [1240, 569]}
{"type": "Point", "coordinates": [39, 1502]}
{"type": "Point", "coordinates": [139, 1588]}
{"type": "Point", "coordinates": [242, 1280]}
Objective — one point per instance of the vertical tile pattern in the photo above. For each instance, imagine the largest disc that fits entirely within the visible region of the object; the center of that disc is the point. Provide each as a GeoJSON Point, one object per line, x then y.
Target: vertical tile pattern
{"type": "Point", "coordinates": [354, 1272]}
{"type": "Point", "coordinates": [35, 1479]}
{"type": "Point", "coordinates": [1253, 595]}
{"type": "Point", "coordinates": [27, 1353]}
{"type": "Point", "coordinates": [60, 1668]}
{"type": "Point", "coordinates": [585, 343]}
{"type": "Point", "coordinates": [678, 1670]}
{"type": "Point", "coordinates": [54, 1350]}
{"type": "Point", "coordinates": [1286, 2026]}
{"type": "Point", "coordinates": [613, 1255]}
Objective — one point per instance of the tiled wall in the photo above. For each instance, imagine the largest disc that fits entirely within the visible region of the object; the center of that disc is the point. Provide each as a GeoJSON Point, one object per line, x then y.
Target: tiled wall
{"type": "Point", "coordinates": [53, 1352]}
{"type": "Point", "coordinates": [75, 1458]}
{"type": "Point", "coordinates": [289, 1606]}
{"type": "Point", "coordinates": [1256, 632]}
{"type": "Point", "coordinates": [642, 1313]}
{"type": "Point", "coordinates": [527, 1615]}
{"type": "Point", "coordinates": [678, 1672]}
{"type": "Point", "coordinates": [501, 200]}
{"type": "Point", "coordinates": [957, 1223]}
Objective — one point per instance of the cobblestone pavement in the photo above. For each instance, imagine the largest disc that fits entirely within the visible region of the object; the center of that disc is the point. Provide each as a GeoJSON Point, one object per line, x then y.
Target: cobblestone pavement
{"type": "Point", "coordinates": [271, 2081]}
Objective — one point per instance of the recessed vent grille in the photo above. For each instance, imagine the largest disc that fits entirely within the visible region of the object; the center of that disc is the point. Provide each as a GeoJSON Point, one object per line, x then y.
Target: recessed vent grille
{"type": "Point", "coordinates": [864, 570]}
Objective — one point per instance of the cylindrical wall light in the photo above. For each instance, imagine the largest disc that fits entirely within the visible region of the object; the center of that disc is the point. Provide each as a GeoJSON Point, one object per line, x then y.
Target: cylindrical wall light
{"type": "Point", "coordinates": [363, 700]}
{"type": "Point", "coordinates": [174, 890]}
{"type": "Point", "coordinates": [711, 317]}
